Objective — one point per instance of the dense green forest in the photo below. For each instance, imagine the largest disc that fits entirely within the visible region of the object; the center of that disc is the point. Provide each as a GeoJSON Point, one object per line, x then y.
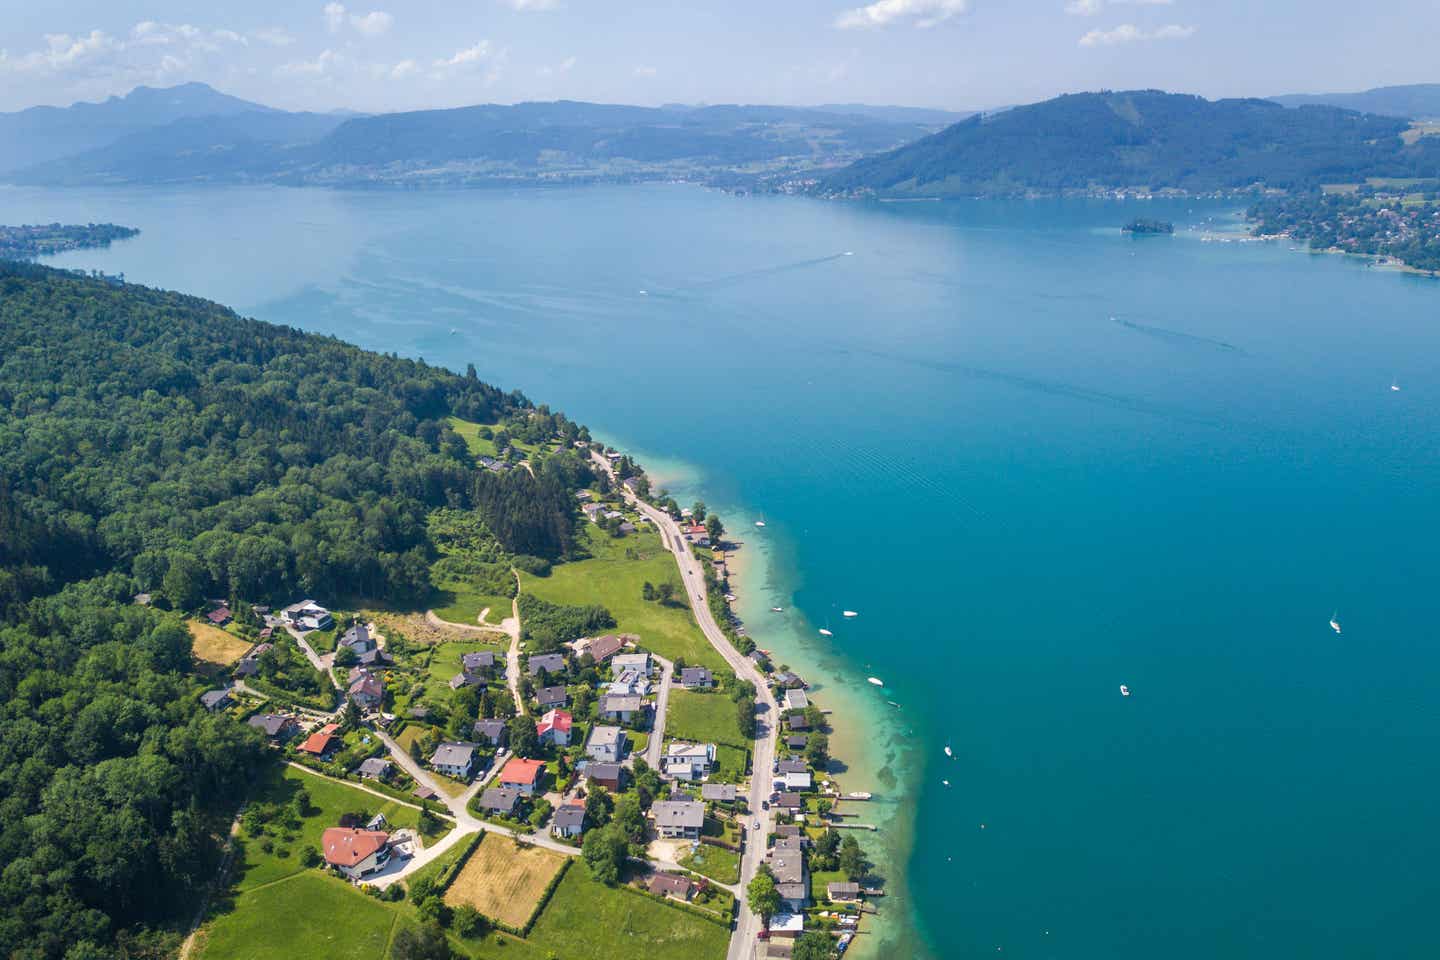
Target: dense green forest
{"type": "Point", "coordinates": [29, 241]}
{"type": "Point", "coordinates": [1143, 139]}
{"type": "Point", "coordinates": [153, 441]}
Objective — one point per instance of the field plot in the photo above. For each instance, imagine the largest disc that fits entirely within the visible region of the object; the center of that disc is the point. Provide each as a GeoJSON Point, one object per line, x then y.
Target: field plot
{"type": "Point", "coordinates": [306, 915]}
{"type": "Point", "coordinates": [213, 645]}
{"type": "Point", "coordinates": [505, 881]}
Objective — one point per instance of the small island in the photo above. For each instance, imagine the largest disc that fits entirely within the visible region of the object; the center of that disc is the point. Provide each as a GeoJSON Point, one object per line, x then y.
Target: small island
{"type": "Point", "coordinates": [26, 242]}
{"type": "Point", "coordinates": [1143, 226]}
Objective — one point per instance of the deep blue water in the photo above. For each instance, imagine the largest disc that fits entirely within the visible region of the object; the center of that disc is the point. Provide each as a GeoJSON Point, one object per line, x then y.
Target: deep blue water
{"type": "Point", "coordinates": [1030, 501]}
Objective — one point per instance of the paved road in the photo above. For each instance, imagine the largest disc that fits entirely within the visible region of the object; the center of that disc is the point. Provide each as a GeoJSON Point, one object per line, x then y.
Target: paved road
{"type": "Point", "coordinates": [662, 704]}
{"type": "Point", "coordinates": [318, 662]}
{"type": "Point", "coordinates": [512, 657]}
{"type": "Point", "coordinates": [767, 711]}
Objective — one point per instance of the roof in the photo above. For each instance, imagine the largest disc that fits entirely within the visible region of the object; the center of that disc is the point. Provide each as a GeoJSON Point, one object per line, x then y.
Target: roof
{"type": "Point", "coordinates": [692, 675]}
{"type": "Point", "coordinates": [846, 889]}
{"type": "Point", "coordinates": [479, 660]}
{"type": "Point", "coordinates": [345, 846]}
{"type": "Point", "coordinates": [630, 661]}
{"type": "Point", "coordinates": [617, 704]}
{"type": "Point", "coordinates": [271, 723]}
{"type": "Point", "coordinates": [603, 736]}
{"type": "Point", "coordinates": [463, 679]}
{"type": "Point", "coordinates": [558, 720]}
{"type": "Point", "coordinates": [671, 883]}
{"type": "Point", "coordinates": [603, 648]}
{"type": "Point", "coordinates": [676, 748]}
{"type": "Point", "coordinates": [551, 695]}
{"type": "Point", "coordinates": [787, 865]}
{"type": "Point", "coordinates": [549, 662]}
{"type": "Point", "coordinates": [570, 815]}
{"type": "Point", "coordinates": [795, 699]}
{"type": "Point", "coordinates": [723, 792]}
{"type": "Point", "coordinates": [212, 698]}
{"type": "Point", "coordinates": [499, 798]}
{"type": "Point", "coordinates": [787, 923]}
{"type": "Point", "coordinates": [453, 754]}
{"type": "Point", "coordinates": [797, 722]}
{"type": "Point", "coordinates": [797, 742]}
{"type": "Point", "coordinates": [678, 813]}
{"type": "Point", "coordinates": [357, 636]}
{"type": "Point", "coordinates": [218, 615]}
{"type": "Point", "coordinates": [792, 891]}
{"type": "Point", "coordinates": [609, 772]}
{"type": "Point", "coordinates": [375, 766]}
{"type": "Point", "coordinates": [491, 730]}
{"type": "Point", "coordinates": [792, 766]}
{"type": "Point", "coordinates": [320, 741]}
{"type": "Point", "coordinates": [797, 781]}
{"type": "Point", "coordinates": [368, 685]}
{"type": "Point", "coordinates": [518, 770]}
{"type": "Point", "coordinates": [791, 801]}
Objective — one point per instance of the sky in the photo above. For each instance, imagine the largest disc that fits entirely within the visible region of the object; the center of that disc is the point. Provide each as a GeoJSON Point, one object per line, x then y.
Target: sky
{"type": "Point", "coordinates": [383, 55]}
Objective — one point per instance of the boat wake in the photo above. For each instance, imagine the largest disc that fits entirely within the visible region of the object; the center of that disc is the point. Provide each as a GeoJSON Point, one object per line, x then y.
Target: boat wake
{"type": "Point", "coordinates": [1177, 337]}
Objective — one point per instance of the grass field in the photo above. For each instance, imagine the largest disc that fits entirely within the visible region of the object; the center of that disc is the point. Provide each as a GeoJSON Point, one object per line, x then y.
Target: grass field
{"type": "Point", "coordinates": [445, 663]}
{"type": "Point", "coordinates": [614, 581]}
{"type": "Point", "coordinates": [213, 645]}
{"type": "Point", "coordinates": [328, 800]}
{"type": "Point", "coordinates": [504, 880]}
{"type": "Point", "coordinates": [309, 915]}
{"type": "Point", "coordinates": [586, 920]}
{"type": "Point", "coordinates": [717, 863]}
{"type": "Point", "coordinates": [458, 603]}
{"type": "Point", "coordinates": [709, 718]}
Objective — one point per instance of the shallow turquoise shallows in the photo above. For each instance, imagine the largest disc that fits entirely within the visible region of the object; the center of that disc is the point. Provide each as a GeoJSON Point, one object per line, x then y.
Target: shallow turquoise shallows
{"type": "Point", "coordinates": [1040, 458]}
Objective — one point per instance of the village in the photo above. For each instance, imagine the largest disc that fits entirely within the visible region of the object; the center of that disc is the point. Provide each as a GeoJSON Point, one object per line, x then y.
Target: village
{"type": "Point", "coordinates": [679, 780]}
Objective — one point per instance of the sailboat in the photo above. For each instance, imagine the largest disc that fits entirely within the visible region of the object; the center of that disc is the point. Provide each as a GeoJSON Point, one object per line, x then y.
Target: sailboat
{"type": "Point", "coordinates": [1394, 386]}
{"type": "Point", "coordinates": [1335, 621]}
{"type": "Point", "coordinates": [948, 751]}
{"type": "Point", "coordinates": [761, 521]}
{"type": "Point", "coordinates": [850, 614]}
{"type": "Point", "coordinates": [1124, 690]}
{"type": "Point", "coordinates": [777, 609]}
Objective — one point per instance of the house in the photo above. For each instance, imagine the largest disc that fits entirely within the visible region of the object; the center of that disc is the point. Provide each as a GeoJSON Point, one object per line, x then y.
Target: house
{"type": "Point", "coordinates": [620, 708]}
{"type": "Point", "coordinates": [606, 775]}
{"type": "Point", "coordinates": [355, 853]}
{"type": "Point", "coordinates": [630, 683]}
{"type": "Point", "coordinates": [718, 792]}
{"type": "Point", "coordinates": [500, 801]}
{"type": "Point", "coordinates": [671, 885]}
{"type": "Point", "coordinates": [592, 511]}
{"type": "Point", "coordinates": [786, 927]}
{"type": "Point", "coordinates": [463, 679]}
{"type": "Point", "coordinates": [276, 727]}
{"type": "Point", "coordinates": [793, 895]}
{"type": "Point", "coordinates": [454, 759]}
{"type": "Point", "coordinates": [424, 792]}
{"type": "Point", "coordinates": [787, 863]}
{"type": "Point", "coordinates": [791, 765]}
{"type": "Point", "coordinates": [375, 658]}
{"type": "Point", "coordinates": [492, 732]}
{"type": "Point", "coordinates": [632, 484]}
{"type": "Point", "coordinates": [842, 892]}
{"type": "Point", "coordinates": [793, 781]}
{"type": "Point", "coordinates": [569, 821]}
{"type": "Point", "coordinates": [688, 761]}
{"type": "Point", "coordinates": [603, 648]}
{"type": "Point", "coordinates": [142, 599]}
{"type": "Point", "coordinates": [220, 616]}
{"type": "Point", "coordinates": [612, 515]}
{"type": "Point", "coordinates": [787, 679]}
{"type": "Point", "coordinates": [789, 801]}
{"type": "Point", "coordinates": [375, 768]}
{"type": "Point", "coordinates": [797, 722]}
{"type": "Point", "coordinates": [551, 663]}
{"type": "Point", "coordinates": [789, 830]}
{"type": "Point", "coordinates": [678, 819]}
{"type": "Point", "coordinates": [759, 658]}
{"type": "Point", "coordinates": [797, 742]}
{"type": "Point", "coordinates": [357, 639]}
{"type": "Point", "coordinates": [550, 697]}
{"type": "Point", "coordinates": [481, 661]}
{"type": "Point", "coordinates": [246, 667]}
{"type": "Point", "coordinates": [696, 678]}
{"type": "Point", "coordinates": [554, 728]}
{"type": "Point", "coordinates": [522, 775]}
{"type": "Point", "coordinates": [606, 744]}
{"type": "Point", "coordinates": [639, 662]}
{"type": "Point", "coordinates": [795, 699]}
{"type": "Point", "coordinates": [583, 495]}
{"type": "Point", "coordinates": [216, 699]}
{"type": "Point", "coordinates": [366, 690]}
{"type": "Point", "coordinates": [626, 528]}
{"type": "Point", "coordinates": [322, 742]}
{"type": "Point", "coordinates": [307, 615]}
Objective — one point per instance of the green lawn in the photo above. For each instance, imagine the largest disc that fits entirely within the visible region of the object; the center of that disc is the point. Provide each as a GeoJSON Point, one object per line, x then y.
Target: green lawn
{"type": "Point", "coordinates": [328, 800]}
{"type": "Point", "coordinates": [588, 921]}
{"type": "Point", "coordinates": [460, 603]}
{"type": "Point", "coordinates": [614, 581]}
{"type": "Point", "coordinates": [309, 915]}
{"type": "Point", "coordinates": [445, 663]}
{"type": "Point", "coordinates": [717, 863]}
{"type": "Point", "coordinates": [479, 446]}
{"type": "Point", "coordinates": [819, 879]}
{"type": "Point", "coordinates": [709, 718]}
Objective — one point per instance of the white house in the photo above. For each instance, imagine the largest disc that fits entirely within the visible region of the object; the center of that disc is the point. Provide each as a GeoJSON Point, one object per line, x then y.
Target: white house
{"type": "Point", "coordinates": [606, 744]}
{"type": "Point", "coordinates": [455, 760]}
{"type": "Point", "coordinates": [678, 819]}
{"type": "Point", "coordinates": [688, 761]}
{"type": "Point", "coordinates": [355, 853]}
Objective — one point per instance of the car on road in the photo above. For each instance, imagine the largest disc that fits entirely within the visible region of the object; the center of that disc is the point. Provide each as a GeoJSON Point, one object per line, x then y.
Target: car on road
{"type": "Point", "coordinates": [755, 825]}
{"type": "Point", "coordinates": [764, 804]}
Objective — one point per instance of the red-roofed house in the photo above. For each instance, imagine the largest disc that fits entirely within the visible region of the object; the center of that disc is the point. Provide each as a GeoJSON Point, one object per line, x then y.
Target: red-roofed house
{"type": "Point", "coordinates": [522, 775]}
{"type": "Point", "coordinates": [219, 616]}
{"type": "Point", "coordinates": [355, 853]}
{"type": "Point", "coordinates": [322, 741]}
{"type": "Point", "coordinates": [554, 728]}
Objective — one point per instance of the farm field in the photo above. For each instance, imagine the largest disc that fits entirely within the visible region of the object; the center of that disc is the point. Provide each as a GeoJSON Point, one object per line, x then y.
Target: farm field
{"type": "Point", "coordinates": [504, 880]}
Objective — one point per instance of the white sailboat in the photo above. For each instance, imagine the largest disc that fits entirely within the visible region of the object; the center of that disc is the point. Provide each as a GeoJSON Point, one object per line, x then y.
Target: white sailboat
{"type": "Point", "coordinates": [948, 751]}
{"type": "Point", "coordinates": [1394, 386]}
{"type": "Point", "coordinates": [761, 521]}
{"type": "Point", "coordinates": [1335, 621]}
{"type": "Point", "coordinates": [777, 609]}
{"type": "Point", "coordinates": [1124, 690]}
{"type": "Point", "coordinates": [850, 614]}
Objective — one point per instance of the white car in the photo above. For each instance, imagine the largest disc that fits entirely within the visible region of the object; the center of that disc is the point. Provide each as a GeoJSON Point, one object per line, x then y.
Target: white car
{"type": "Point", "coordinates": [755, 825]}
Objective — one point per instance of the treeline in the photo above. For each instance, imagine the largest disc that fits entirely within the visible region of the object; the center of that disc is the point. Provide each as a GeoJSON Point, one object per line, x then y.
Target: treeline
{"type": "Point", "coordinates": [1406, 227]}
{"type": "Point", "coordinates": [533, 513]}
{"type": "Point", "coordinates": [37, 240]}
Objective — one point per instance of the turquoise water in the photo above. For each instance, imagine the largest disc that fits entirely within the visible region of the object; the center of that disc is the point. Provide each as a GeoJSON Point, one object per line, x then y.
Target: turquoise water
{"type": "Point", "coordinates": [1029, 503]}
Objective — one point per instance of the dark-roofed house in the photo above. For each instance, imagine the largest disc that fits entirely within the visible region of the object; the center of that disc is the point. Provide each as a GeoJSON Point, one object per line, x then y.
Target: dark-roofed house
{"type": "Point", "coordinates": [478, 662]}
{"type": "Point", "coordinates": [787, 679]}
{"type": "Point", "coordinates": [678, 819]}
{"type": "Point", "coordinates": [785, 830]}
{"type": "Point", "coordinates": [375, 658]}
{"type": "Point", "coordinates": [671, 885]}
{"type": "Point", "coordinates": [548, 698]}
{"type": "Point", "coordinates": [551, 663]}
{"type": "Point", "coordinates": [603, 648]}
{"type": "Point", "coordinates": [463, 679]}
{"type": "Point", "coordinates": [797, 742]}
{"type": "Point", "coordinates": [492, 732]}
{"type": "Point", "coordinates": [367, 690]}
{"type": "Point", "coordinates": [246, 667]}
{"type": "Point", "coordinates": [787, 863]}
{"type": "Point", "coordinates": [357, 639]}
{"type": "Point", "coordinates": [215, 699]}
{"type": "Point", "coordinates": [500, 801]}
{"type": "Point", "coordinates": [220, 616]}
{"type": "Point", "coordinates": [275, 726]}
{"type": "Point", "coordinates": [375, 768]}
{"type": "Point", "coordinates": [842, 892]}
{"type": "Point", "coordinates": [797, 722]}
{"type": "Point", "coordinates": [792, 765]}
{"type": "Point", "coordinates": [789, 801]}
{"type": "Point", "coordinates": [606, 775]}
{"type": "Point", "coordinates": [696, 678]}
{"type": "Point", "coordinates": [423, 792]}
{"type": "Point", "coordinates": [613, 707]}
{"type": "Point", "coordinates": [569, 821]}
{"type": "Point", "coordinates": [718, 792]}
{"type": "Point", "coordinates": [454, 759]}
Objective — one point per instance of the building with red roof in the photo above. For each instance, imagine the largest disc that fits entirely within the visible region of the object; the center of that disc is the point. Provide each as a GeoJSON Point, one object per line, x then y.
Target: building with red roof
{"type": "Point", "coordinates": [355, 853]}
{"type": "Point", "coordinates": [554, 728]}
{"type": "Point", "coordinates": [322, 741]}
{"type": "Point", "coordinates": [523, 775]}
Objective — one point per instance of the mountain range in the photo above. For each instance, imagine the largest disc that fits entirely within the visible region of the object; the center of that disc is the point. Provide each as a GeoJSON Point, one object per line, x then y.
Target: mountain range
{"type": "Point", "coordinates": [1416, 101]}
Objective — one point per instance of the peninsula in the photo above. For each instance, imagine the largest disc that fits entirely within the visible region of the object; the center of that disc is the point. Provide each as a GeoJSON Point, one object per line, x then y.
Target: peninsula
{"type": "Point", "coordinates": [30, 241]}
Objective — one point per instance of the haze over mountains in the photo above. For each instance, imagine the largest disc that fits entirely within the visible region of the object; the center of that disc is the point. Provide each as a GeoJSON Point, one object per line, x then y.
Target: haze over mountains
{"type": "Point", "coordinates": [1416, 101]}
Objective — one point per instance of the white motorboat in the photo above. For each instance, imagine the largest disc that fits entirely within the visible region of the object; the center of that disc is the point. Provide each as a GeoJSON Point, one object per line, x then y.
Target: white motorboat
{"type": "Point", "coordinates": [825, 633]}
{"type": "Point", "coordinates": [1335, 621]}
{"type": "Point", "coordinates": [875, 681]}
{"type": "Point", "coordinates": [948, 751]}
{"type": "Point", "coordinates": [1124, 690]}
{"type": "Point", "coordinates": [777, 609]}
{"type": "Point", "coordinates": [850, 614]}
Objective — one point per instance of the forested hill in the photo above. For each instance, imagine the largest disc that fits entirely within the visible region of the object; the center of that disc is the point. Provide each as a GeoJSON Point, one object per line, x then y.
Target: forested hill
{"type": "Point", "coordinates": [1143, 140]}
{"type": "Point", "coordinates": [158, 442]}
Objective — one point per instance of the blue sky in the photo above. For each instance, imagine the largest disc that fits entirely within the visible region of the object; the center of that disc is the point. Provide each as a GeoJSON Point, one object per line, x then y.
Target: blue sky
{"type": "Point", "coordinates": [387, 54]}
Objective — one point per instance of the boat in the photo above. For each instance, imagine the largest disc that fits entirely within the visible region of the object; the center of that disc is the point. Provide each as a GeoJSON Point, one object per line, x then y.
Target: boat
{"type": "Point", "coordinates": [1124, 690]}
{"type": "Point", "coordinates": [876, 681]}
{"type": "Point", "coordinates": [761, 521]}
{"type": "Point", "coordinates": [1335, 621]}
{"type": "Point", "coordinates": [849, 253]}
{"type": "Point", "coordinates": [1395, 386]}
{"type": "Point", "coordinates": [948, 751]}
{"type": "Point", "coordinates": [777, 609]}
{"type": "Point", "coordinates": [825, 633]}
{"type": "Point", "coordinates": [729, 598]}
{"type": "Point", "coordinates": [946, 782]}
{"type": "Point", "coordinates": [858, 795]}
{"type": "Point", "coordinates": [850, 614]}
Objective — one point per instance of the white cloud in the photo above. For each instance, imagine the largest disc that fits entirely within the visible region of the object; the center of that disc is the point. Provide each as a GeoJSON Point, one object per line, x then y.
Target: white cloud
{"type": "Point", "coordinates": [373, 24]}
{"type": "Point", "coordinates": [563, 67]}
{"type": "Point", "coordinates": [318, 67]}
{"type": "Point", "coordinates": [882, 13]}
{"type": "Point", "coordinates": [529, 6]}
{"type": "Point", "coordinates": [1129, 33]}
{"type": "Point", "coordinates": [273, 36]}
{"type": "Point", "coordinates": [645, 72]}
{"type": "Point", "coordinates": [334, 16]}
{"type": "Point", "coordinates": [403, 69]}
{"type": "Point", "coordinates": [1089, 8]}
{"type": "Point", "coordinates": [62, 53]}
{"type": "Point", "coordinates": [468, 57]}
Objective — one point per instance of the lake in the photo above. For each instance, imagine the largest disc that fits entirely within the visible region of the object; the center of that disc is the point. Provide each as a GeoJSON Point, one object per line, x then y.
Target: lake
{"type": "Point", "coordinates": [1041, 459]}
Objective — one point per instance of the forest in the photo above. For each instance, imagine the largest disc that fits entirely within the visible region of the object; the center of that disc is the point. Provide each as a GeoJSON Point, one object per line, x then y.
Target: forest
{"type": "Point", "coordinates": [155, 442]}
{"type": "Point", "coordinates": [37, 240]}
